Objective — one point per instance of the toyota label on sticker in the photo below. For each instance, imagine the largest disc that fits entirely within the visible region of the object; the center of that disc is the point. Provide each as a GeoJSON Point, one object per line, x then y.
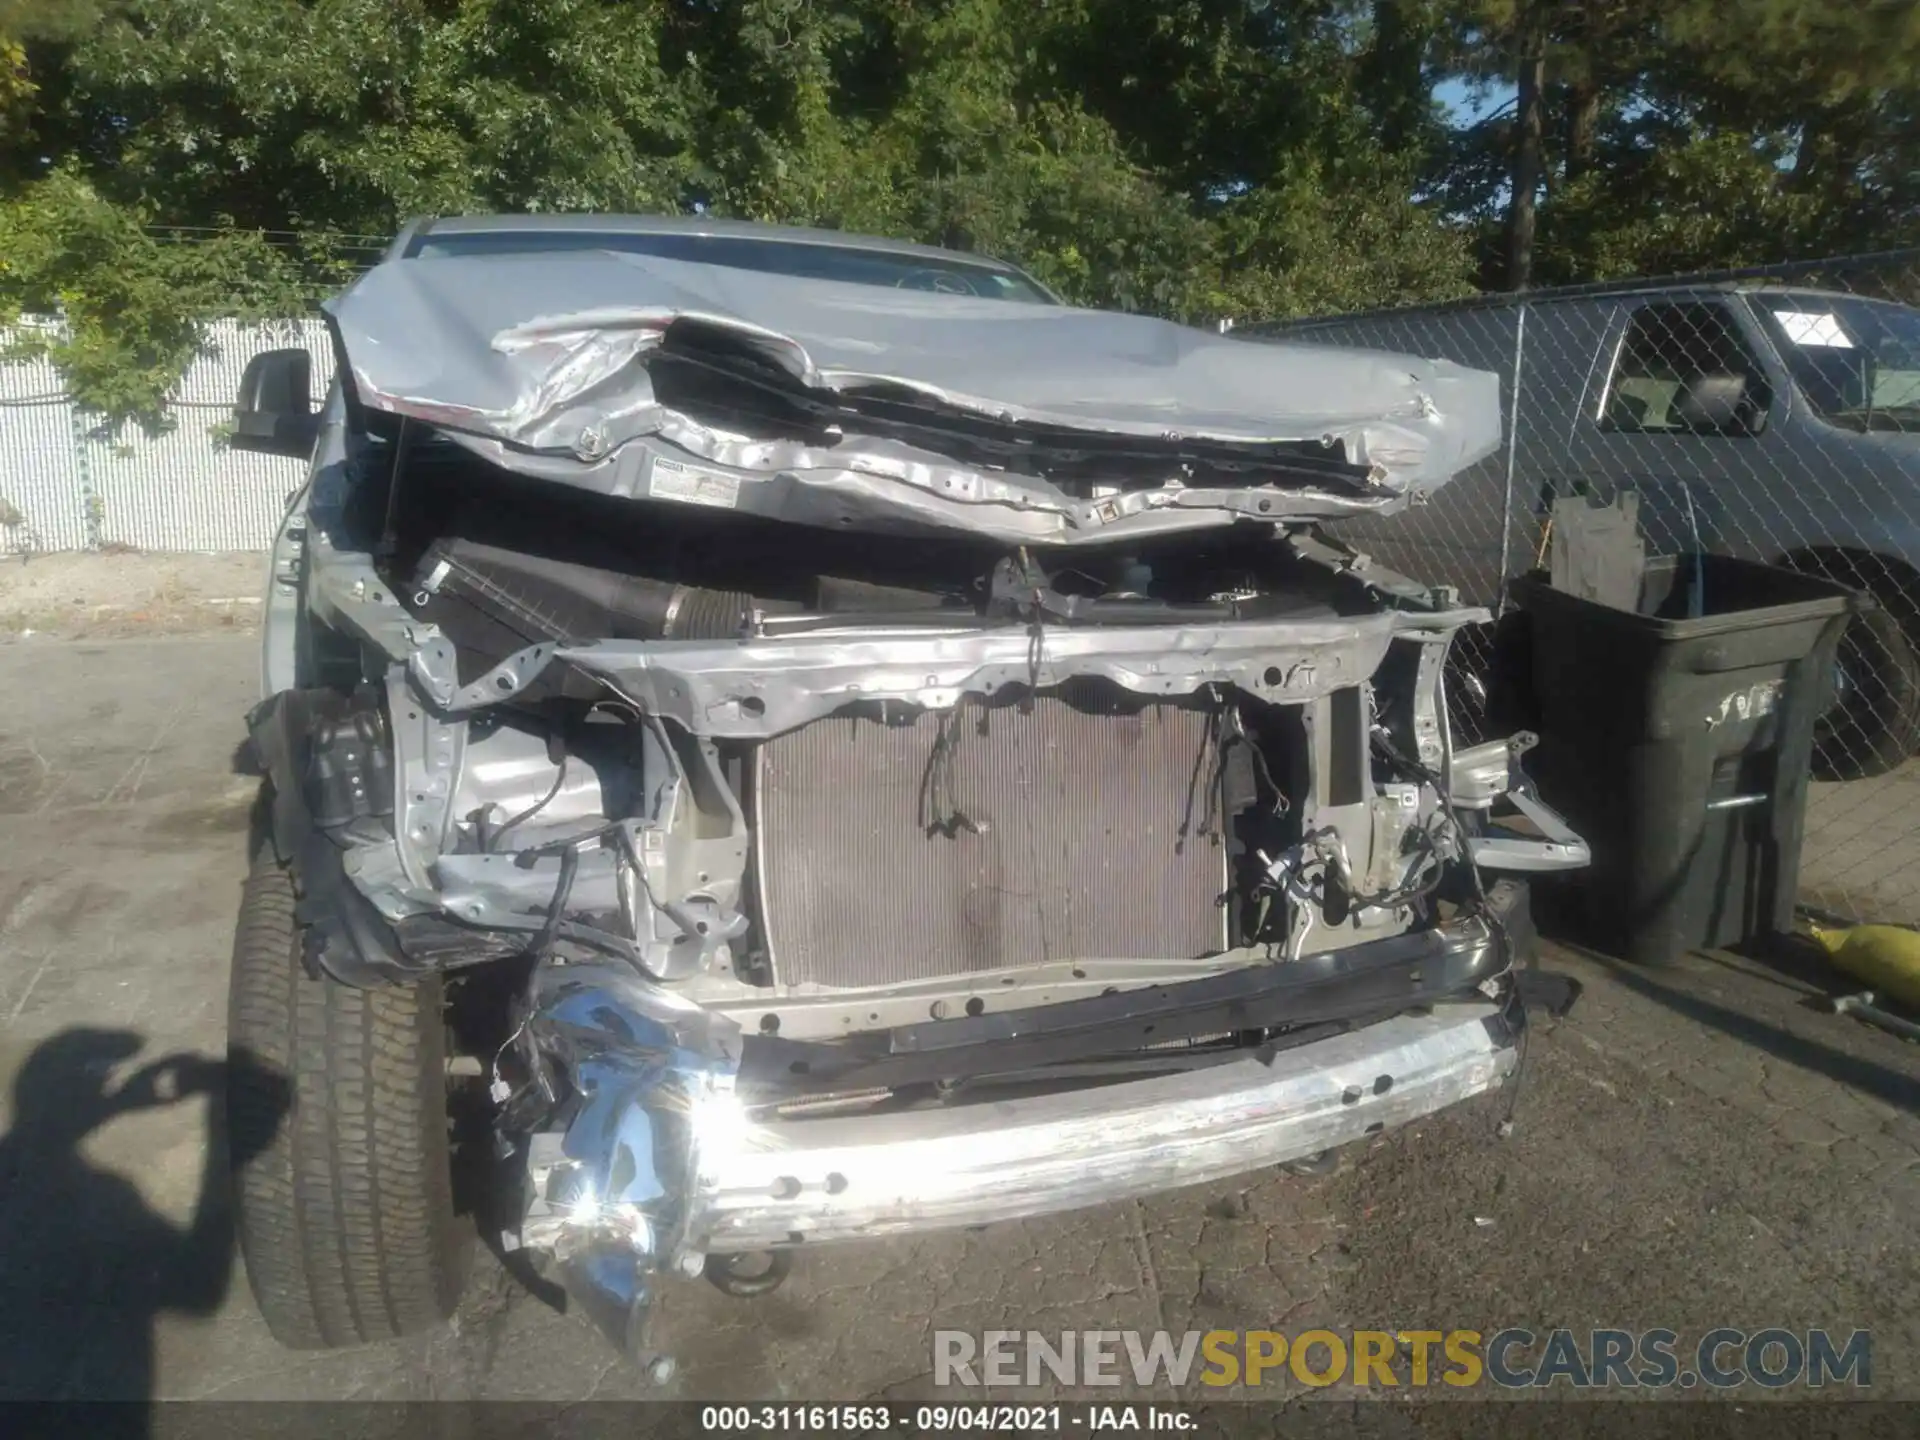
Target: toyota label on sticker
{"type": "Point", "coordinates": [693, 484]}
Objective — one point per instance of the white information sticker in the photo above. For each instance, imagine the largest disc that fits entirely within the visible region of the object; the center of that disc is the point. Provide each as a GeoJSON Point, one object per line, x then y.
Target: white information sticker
{"type": "Point", "coordinates": [1812, 327]}
{"type": "Point", "coordinates": [693, 484]}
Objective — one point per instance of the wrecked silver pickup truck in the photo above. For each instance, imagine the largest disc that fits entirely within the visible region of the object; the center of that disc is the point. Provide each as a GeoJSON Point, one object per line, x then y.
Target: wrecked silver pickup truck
{"type": "Point", "coordinates": [786, 738]}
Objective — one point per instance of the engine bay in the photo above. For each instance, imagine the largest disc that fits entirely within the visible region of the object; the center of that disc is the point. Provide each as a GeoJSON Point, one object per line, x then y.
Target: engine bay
{"type": "Point", "coordinates": [775, 765]}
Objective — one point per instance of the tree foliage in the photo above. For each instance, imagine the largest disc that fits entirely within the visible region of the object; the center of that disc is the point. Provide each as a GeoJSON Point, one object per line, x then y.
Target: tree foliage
{"type": "Point", "coordinates": [132, 303]}
{"type": "Point", "coordinates": [163, 160]}
{"type": "Point", "coordinates": [1692, 134]}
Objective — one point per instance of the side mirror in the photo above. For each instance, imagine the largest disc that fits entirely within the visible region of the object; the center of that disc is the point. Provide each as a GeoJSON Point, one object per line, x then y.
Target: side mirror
{"type": "Point", "coordinates": [274, 413]}
{"type": "Point", "coordinates": [1717, 404]}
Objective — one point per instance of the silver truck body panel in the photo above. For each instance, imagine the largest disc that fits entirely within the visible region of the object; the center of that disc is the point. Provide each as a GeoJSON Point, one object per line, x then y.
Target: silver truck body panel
{"type": "Point", "coordinates": [541, 364]}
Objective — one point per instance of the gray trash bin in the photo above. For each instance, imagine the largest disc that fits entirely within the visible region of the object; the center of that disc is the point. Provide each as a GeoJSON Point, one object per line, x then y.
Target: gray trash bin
{"type": "Point", "coordinates": [1679, 748]}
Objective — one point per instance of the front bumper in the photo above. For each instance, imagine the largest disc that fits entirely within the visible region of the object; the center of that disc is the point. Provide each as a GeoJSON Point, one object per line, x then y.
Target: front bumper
{"type": "Point", "coordinates": [655, 1158]}
{"type": "Point", "coordinates": [856, 1178]}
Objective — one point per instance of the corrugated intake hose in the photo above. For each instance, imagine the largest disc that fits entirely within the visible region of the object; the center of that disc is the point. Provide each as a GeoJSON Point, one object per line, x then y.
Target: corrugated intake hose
{"type": "Point", "coordinates": [544, 599]}
{"type": "Point", "coordinates": [493, 602]}
{"type": "Point", "coordinates": [696, 614]}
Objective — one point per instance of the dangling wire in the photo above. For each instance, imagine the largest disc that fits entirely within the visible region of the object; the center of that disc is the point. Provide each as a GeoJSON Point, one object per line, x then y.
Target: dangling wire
{"type": "Point", "coordinates": [557, 910]}
{"type": "Point", "coordinates": [1036, 650]}
{"type": "Point", "coordinates": [491, 839]}
{"type": "Point", "coordinates": [940, 812]}
{"type": "Point", "coordinates": [1036, 636]}
{"type": "Point", "coordinates": [1210, 762]}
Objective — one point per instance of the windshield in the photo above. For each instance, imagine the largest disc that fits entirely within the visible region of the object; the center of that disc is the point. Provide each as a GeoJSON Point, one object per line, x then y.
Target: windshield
{"type": "Point", "coordinates": [847, 263]}
{"type": "Point", "coordinates": [1856, 361]}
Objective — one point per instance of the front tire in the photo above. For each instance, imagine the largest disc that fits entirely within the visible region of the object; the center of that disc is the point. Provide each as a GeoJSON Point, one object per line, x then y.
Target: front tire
{"type": "Point", "coordinates": [337, 1117]}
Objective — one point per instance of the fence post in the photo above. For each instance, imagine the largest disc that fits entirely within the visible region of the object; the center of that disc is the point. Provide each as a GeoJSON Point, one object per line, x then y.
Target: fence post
{"type": "Point", "coordinates": [91, 506]}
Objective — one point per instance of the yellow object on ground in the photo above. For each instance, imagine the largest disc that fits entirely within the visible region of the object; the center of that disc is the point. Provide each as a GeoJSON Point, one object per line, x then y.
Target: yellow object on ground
{"type": "Point", "coordinates": [1886, 957]}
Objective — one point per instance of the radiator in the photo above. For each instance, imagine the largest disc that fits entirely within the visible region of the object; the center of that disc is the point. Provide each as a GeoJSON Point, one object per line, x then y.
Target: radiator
{"type": "Point", "coordinates": [989, 837]}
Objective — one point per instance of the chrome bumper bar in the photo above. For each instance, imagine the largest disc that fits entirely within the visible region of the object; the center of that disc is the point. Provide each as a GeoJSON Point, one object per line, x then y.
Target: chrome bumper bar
{"type": "Point", "coordinates": [659, 1164]}
{"type": "Point", "coordinates": [857, 1178]}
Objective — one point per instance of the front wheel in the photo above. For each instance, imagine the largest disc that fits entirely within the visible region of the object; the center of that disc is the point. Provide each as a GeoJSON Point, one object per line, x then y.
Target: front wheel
{"type": "Point", "coordinates": [338, 1115]}
{"type": "Point", "coordinates": [1873, 723]}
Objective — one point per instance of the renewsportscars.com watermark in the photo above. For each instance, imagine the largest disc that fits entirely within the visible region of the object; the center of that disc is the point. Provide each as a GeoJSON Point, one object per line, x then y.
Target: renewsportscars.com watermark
{"type": "Point", "coordinates": [1513, 1359]}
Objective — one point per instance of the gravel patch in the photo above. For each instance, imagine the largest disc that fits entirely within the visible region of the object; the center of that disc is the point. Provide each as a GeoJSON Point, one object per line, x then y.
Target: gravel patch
{"type": "Point", "coordinates": [128, 594]}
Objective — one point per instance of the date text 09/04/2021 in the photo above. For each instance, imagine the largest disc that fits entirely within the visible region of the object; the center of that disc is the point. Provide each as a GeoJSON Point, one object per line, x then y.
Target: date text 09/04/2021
{"type": "Point", "coordinates": [942, 1419]}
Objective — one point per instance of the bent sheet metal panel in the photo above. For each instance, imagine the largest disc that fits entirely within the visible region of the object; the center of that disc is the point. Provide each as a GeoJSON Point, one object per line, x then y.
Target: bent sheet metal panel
{"type": "Point", "coordinates": [757, 688]}
{"type": "Point", "coordinates": [989, 838]}
{"type": "Point", "coordinates": [549, 353]}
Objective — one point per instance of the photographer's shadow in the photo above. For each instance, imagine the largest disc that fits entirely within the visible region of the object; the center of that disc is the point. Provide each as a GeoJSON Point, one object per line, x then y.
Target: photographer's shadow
{"type": "Point", "coordinates": [87, 1266]}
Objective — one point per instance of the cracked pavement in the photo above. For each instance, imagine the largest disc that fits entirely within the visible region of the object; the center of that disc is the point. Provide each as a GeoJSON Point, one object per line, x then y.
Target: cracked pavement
{"type": "Point", "coordinates": [1693, 1147]}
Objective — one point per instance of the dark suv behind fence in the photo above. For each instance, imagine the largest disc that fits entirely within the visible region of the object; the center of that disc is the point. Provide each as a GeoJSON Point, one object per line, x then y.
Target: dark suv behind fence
{"type": "Point", "coordinates": [1772, 414]}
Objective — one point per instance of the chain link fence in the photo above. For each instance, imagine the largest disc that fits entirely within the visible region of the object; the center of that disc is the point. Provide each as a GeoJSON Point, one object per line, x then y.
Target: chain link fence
{"type": "Point", "coordinates": [1771, 413]}
{"type": "Point", "coordinates": [68, 484]}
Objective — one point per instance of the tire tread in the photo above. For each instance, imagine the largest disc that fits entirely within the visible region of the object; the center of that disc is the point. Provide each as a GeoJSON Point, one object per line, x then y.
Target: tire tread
{"type": "Point", "coordinates": [345, 1205]}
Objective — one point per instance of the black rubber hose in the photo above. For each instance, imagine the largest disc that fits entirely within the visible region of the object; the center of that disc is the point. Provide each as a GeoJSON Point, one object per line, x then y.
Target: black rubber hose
{"type": "Point", "coordinates": [535, 597]}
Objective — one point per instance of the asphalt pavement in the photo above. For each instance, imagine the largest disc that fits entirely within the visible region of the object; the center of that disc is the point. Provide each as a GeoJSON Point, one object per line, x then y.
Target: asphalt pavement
{"type": "Point", "coordinates": [1691, 1148]}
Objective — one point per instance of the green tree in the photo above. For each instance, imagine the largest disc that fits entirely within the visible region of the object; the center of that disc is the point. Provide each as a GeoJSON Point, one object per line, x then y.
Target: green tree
{"type": "Point", "coordinates": [1640, 140]}
{"type": "Point", "coordinates": [158, 158]}
{"type": "Point", "coordinates": [132, 304]}
{"type": "Point", "coordinates": [351, 113]}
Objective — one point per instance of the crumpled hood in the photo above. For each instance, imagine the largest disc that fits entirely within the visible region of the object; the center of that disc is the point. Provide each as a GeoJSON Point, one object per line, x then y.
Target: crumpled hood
{"type": "Point", "coordinates": [544, 363]}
